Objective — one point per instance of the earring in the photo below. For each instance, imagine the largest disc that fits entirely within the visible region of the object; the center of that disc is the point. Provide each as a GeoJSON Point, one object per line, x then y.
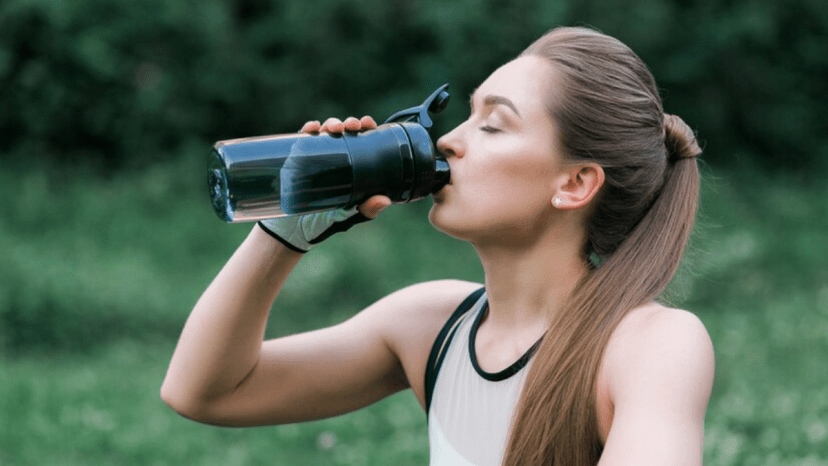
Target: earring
{"type": "Point", "coordinates": [556, 201]}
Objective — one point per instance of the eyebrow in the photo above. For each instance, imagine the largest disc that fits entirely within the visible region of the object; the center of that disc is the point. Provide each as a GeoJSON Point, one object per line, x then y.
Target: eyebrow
{"type": "Point", "coordinates": [493, 99]}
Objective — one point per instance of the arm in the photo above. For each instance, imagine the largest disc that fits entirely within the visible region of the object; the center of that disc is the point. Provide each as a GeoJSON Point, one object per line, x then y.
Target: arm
{"type": "Point", "coordinates": [660, 374]}
{"type": "Point", "coordinates": [221, 341]}
{"type": "Point", "coordinates": [221, 347]}
{"type": "Point", "coordinates": [223, 373]}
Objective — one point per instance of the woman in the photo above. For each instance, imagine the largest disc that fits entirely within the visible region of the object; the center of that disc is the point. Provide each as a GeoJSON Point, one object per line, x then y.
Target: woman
{"type": "Point", "coordinates": [579, 194]}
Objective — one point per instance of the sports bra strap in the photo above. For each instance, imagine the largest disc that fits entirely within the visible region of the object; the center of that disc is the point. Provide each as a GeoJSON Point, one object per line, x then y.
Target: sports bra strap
{"type": "Point", "coordinates": [441, 343]}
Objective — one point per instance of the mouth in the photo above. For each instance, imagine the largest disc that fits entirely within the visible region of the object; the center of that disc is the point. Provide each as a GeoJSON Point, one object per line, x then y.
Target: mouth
{"type": "Point", "coordinates": [440, 194]}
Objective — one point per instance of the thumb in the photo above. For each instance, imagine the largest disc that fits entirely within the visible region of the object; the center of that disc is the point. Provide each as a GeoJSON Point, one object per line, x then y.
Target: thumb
{"type": "Point", "coordinates": [373, 206]}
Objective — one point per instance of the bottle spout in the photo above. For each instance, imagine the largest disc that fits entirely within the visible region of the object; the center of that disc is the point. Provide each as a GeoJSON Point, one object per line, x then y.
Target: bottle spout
{"type": "Point", "coordinates": [442, 174]}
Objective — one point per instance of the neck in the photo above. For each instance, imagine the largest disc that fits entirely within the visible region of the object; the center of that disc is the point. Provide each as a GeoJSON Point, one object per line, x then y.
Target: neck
{"type": "Point", "coordinates": [526, 284]}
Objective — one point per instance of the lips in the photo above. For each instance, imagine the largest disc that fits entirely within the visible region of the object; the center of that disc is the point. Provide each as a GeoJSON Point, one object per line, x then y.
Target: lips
{"type": "Point", "coordinates": [440, 194]}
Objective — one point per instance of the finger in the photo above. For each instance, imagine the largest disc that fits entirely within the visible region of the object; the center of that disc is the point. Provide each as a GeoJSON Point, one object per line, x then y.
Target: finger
{"type": "Point", "coordinates": [351, 124]}
{"type": "Point", "coordinates": [333, 125]}
{"type": "Point", "coordinates": [311, 127]}
{"type": "Point", "coordinates": [367, 122]}
{"type": "Point", "coordinates": [374, 205]}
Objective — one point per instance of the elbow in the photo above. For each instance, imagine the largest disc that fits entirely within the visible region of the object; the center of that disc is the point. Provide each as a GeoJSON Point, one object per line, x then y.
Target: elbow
{"type": "Point", "coordinates": [194, 406]}
{"type": "Point", "coordinates": [172, 397]}
{"type": "Point", "coordinates": [169, 396]}
{"type": "Point", "coordinates": [186, 405]}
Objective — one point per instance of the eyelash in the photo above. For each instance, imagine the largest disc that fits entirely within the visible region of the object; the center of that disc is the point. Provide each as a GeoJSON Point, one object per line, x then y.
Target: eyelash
{"type": "Point", "coordinates": [489, 129]}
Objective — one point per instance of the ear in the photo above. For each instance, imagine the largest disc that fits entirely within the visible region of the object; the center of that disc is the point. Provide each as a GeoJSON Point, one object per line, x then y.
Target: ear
{"type": "Point", "coordinates": [577, 185]}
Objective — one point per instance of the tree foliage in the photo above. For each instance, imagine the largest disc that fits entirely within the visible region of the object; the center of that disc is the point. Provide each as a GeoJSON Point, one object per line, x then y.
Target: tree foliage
{"type": "Point", "coordinates": [124, 83]}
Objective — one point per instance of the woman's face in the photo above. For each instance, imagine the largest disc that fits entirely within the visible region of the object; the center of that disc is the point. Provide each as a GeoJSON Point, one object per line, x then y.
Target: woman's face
{"type": "Point", "coordinates": [504, 159]}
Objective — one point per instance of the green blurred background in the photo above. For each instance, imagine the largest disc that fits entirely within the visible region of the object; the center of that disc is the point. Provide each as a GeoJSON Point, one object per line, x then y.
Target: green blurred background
{"type": "Point", "coordinates": [108, 109]}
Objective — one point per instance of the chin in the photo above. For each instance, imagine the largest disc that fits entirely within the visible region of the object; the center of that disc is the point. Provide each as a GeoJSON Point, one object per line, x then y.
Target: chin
{"type": "Point", "coordinates": [436, 216]}
{"type": "Point", "coordinates": [443, 221]}
{"type": "Point", "coordinates": [432, 215]}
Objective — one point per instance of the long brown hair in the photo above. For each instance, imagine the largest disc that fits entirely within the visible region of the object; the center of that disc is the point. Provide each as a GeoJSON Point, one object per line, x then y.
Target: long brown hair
{"type": "Point", "coordinates": [609, 113]}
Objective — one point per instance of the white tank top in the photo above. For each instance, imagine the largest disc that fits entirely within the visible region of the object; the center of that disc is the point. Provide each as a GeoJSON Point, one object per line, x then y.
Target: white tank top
{"type": "Point", "coordinates": [469, 410]}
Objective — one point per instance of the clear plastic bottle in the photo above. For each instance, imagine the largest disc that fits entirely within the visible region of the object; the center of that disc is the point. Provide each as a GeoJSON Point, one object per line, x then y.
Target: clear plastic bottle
{"type": "Point", "coordinates": [257, 178]}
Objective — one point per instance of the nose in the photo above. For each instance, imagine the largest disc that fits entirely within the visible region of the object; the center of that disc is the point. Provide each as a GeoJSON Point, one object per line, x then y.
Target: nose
{"type": "Point", "coordinates": [449, 144]}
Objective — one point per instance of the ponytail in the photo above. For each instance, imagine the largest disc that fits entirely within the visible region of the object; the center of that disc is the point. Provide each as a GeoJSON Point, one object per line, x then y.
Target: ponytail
{"type": "Point", "coordinates": [639, 230]}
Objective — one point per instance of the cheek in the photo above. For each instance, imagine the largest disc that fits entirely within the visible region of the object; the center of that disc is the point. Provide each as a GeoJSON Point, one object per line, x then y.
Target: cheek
{"type": "Point", "coordinates": [494, 197]}
{"type": "Point", "coordinates": [524, 178]}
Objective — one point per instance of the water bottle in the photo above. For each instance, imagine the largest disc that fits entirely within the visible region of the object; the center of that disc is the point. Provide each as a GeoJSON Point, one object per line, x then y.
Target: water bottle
{"type": "Point", "coordinates": [257, 178]}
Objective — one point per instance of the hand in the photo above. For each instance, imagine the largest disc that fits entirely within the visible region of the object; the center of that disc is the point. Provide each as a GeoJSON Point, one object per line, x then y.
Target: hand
{"type": "Point", "coordinates": [301, 232]}
{"type": "Point", "coordinates": [373, 205]}
{"type": "Point", "coordinates": [335, 125]}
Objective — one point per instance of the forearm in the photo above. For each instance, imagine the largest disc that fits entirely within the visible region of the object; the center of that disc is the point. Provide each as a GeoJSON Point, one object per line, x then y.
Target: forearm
{"type": "Point", "coordinates": [221, 341]}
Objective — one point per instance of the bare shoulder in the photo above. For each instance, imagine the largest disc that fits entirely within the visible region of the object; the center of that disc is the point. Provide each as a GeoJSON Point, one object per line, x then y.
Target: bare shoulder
{"type": "Point", "coordinates": [410, 319]}
{"type": "Point", "coordinates": [662, 345]}
{"type": "Point", "coordinates": [431, 296]}
{"type": "Point", "coordinates": [654, 322]}
{"type": "Point", "coordinates": [653, 388]}
{"type": "Point", "coordinates": [419, 310]}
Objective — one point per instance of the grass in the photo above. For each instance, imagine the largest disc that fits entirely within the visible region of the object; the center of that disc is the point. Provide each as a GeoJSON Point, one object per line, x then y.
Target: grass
{"type": "Point", "coordinates": [100, 272]}
{"type": "Point", "coordinates": [103, 408]}
{"type": "Point", "coordinates": [762, 290]}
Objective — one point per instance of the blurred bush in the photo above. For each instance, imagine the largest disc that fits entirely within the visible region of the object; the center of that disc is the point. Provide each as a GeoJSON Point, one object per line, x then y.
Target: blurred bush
{"type": "Point", "coordinates": [143, 88]}
{"type": "Point", "coordinates": [125, 257]}
{"type": "Point", "coordinates": [123, 83]}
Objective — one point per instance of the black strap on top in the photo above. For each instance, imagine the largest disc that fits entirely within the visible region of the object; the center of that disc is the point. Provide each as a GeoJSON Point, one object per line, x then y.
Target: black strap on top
{"type": "Point", "coordinates": [441, 343]}
{"type": "Point", "coordinates": [504, 374]}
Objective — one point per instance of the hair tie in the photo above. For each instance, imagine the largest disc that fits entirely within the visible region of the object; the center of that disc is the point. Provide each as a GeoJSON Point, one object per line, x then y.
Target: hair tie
{"type": "Point", "coordinates": [679, 139]}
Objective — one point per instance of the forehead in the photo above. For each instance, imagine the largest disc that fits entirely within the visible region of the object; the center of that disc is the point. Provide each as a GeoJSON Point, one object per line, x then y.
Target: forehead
{"type": "Point", "coordinates": [526, 81]}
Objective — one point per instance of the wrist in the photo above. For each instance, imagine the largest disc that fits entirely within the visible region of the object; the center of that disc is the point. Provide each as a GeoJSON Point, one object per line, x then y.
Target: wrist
{"type": "Point", "coordinates": [285, 243]}
{"type": "Point", "coordinates": [270, 250]}
{"type": "Point", "coordinates": [300, 233]}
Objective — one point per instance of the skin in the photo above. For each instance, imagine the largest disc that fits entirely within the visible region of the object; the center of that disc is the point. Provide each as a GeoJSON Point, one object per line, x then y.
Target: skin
{"type": "Point", "coordinates": [656, 375]}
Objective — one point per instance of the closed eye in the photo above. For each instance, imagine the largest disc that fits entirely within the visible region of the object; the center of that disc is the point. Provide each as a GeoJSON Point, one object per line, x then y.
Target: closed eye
{"type": "Point", "coordinates": [489, 129]}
